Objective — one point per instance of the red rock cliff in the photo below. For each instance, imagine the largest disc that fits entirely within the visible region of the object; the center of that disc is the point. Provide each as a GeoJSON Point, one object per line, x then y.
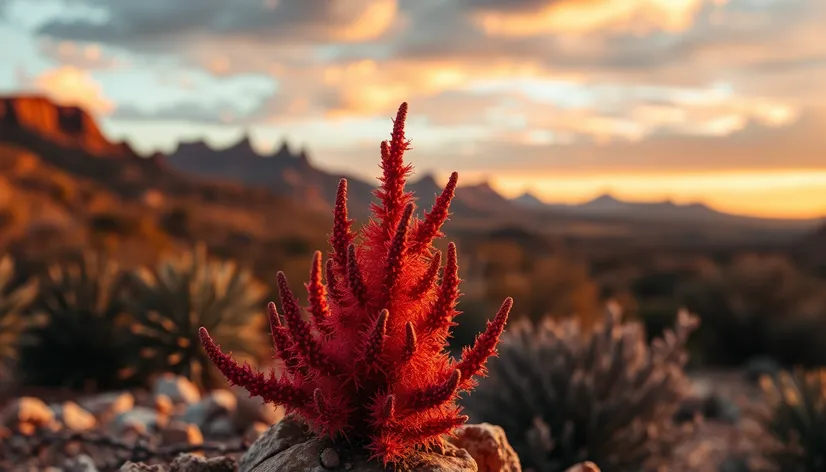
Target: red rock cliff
{"type": "Point", "coordinates": [68, 126]}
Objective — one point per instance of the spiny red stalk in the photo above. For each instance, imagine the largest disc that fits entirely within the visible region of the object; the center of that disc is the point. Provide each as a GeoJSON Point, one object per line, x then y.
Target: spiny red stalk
{"type": "Point", "coordinates": [443, 310]}
{"type": "Point", "coordinates": [317, 295]}
{"type": "Point", "coordinates": [429, 277]}
{"type": "Point", "coordinates": [430, 228]}
{"type": "Point", "coordinates": [341, 237]}
{"type": "Point", "coordinates": [281, 339]}
{"type": "Point", "coordinates": [372, 365]}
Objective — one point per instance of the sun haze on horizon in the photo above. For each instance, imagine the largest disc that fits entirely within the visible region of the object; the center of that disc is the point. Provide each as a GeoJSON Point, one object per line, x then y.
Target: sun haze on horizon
{"type": "Point", "coordinates": [712, 101]}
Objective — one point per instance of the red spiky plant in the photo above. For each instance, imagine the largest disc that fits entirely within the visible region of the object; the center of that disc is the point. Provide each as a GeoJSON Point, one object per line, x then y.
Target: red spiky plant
{"type": "Point", "coordinates": [371, 365]}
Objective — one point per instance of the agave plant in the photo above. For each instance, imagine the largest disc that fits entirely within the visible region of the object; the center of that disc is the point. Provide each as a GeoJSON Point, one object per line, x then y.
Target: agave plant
{"type": "Point", "coordinates": [84, 344]}
{"type": "Point", "coordinates": [564, 395]}
{"type": "Point", "coordinates": [192, 290]}
{"type": "Point", "coordinates": [14, 322]}
{"type": "Point", "coordinates": [371, 364]}
{"type": "Point", "coordinates": [796, 419]}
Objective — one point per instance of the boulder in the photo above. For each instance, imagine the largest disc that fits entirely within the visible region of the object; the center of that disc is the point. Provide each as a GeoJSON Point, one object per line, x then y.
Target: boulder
{"type": "Point", "coordinates": [488, 446]}
{"type": "Point", "coordinates": [289, 446]}
{"type": "Point", "coordinates": [178, 389]}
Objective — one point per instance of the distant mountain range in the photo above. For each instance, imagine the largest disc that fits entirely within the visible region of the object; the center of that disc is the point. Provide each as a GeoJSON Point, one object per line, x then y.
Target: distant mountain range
{"type": "Point", "coordinates": [293, 174]}
{"type": "Point", "coordinates": [239, 180]}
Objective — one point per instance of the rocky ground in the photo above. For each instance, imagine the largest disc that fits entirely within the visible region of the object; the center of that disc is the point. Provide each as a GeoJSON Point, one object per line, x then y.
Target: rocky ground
{"type": "Point", "coordinates": [104, 432]}
{"type": "Point", "coordinates": [142, 426]}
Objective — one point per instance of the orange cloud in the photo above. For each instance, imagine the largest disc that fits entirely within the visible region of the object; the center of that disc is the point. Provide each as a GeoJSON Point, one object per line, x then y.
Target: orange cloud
{"type": "Point", "coordinates": [587, 16]}
{"type": "Point", "coordinates": [370, 23]}
{"type": "Point", "coordinates": [69, 85]}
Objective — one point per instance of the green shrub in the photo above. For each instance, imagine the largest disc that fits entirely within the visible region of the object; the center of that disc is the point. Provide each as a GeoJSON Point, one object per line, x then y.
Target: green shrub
{"type": "Point", "coordinates": [191, 290]}
{"type": "Point", "coordinates": [84, 344]}
{"type": "Point", "coordinates": [796, 419]}
{"type": "Point", "coordinates": [759, 306]}
{"type": "Point", "coordinates": [564, 395]}
{"type": "Point", "coordinates": [14, 322]}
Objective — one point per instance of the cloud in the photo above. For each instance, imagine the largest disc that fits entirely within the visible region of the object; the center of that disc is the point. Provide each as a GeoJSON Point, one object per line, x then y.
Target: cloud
{"type": "Point", "coordinates": [69, 85]}
{"type": "Point", "coordinates": [190, 112]}
{"type": "Point", "coordinates": [531, 17]}
{"type": "Point", "coordinates": [755, 145]}
{"type": "Point", "coordinates": [154, 24]}
{"type": "Point", "coordinates": [84, 56]}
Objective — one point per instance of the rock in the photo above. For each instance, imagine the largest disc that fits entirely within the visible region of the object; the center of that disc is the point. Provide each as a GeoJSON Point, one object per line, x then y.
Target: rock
{"type": "Point", "coordinates": [584, 467]}
{"type": "Point", "coordinates": [74, 417]}
{"type": "Point", "coordinates": [27, 414]}
{"type": "Point", "coordinates": [194, 463]}
{"type": "Point", "coordinates": [164, 405]}
{"type": "Point", "coordinates": [130, 466]}
{"type": "Point", "coordinates": [81, 463]}
{"type": "Point", "coordinates": [181, 433]}
{"type": "Point", "coordinates": [719, 408]}
{"type": "Point", "coordinates": [329, 458]}
{"type": "Point", "coordinates": [139, 419]}
{"type": "Point", "coordinates": [288, 446]}
{"type": "Point", "coordinates": [256, 430]}
{"type": "Point", "coordinates": [689, 409]}
{"type": "Point", "coordinates": [108, 405]}
{"type": "Point", "coordinates": [250, 410]}
{"type": "Point", "coordinates": [178, 389]}
{"type": "Point", "coordinates": [221, 427]}
{"type": "Point", "coordinates": [275, 440]}
{"type": "Point", "coordinates": [488, 446]}
{"type": "Point", "coordinates": [758, 366]}
{"type": "Point", "coordinates": [216, 404]}
{"type": "Point", "coordinates": [186, 463]}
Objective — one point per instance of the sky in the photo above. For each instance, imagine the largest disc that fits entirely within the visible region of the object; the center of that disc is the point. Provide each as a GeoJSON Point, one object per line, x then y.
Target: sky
{"type": "Point", "coordinates": [719, 101]}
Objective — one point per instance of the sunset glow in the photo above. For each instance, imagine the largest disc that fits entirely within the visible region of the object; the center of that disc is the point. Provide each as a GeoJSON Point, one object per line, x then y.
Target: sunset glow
{"type": "Point", "coordinates": [717, 101]}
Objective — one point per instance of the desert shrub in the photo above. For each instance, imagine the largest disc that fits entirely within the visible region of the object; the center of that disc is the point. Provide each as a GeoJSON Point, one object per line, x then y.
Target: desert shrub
{"type": "Point", "coordinates": [759, 305]}
{"type": "Point", "coordinates": [14, 322]}
{"type": "Point", "coordinates": [186, 292]}
{"type": "Point", "coordinates": [84, 344]}
{"type": "Point", "coordinates": [796, 419]}
{"type": "Point", "coordinates": [565, 395]}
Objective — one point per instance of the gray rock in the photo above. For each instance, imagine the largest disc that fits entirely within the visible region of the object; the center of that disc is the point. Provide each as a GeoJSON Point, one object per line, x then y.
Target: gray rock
{"type": "Point", "coordinates": [289, 446]}
{"type": "Point", "coordinates": [108, 405]}
{"type": "Point", "coordinates": [178, 389]}
{"type": "Point", "coordinates": [217, 404]}
{"type": "Point", "coordinates": [186, 463]}
{"type": "Point", "coordinates": [81, 463]}
{"type": "Point", "coordinates": [139, 419]}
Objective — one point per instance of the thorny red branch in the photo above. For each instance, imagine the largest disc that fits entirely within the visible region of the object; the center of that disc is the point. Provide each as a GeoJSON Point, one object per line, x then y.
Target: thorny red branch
{"type": "Point", "coordinates": [369, 364]}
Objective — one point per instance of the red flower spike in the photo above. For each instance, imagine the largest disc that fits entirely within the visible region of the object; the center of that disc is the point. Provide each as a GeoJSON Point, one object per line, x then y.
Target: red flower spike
{"type": "Point", "coordinates": [271, 390]}
{"type": "Point", "coordinates": [332, 284]}
{"type": "Point", "coordinates": [410, 342]}
{"type": "Point", "coordinates": [317, 295]}
{"type": "Point", "coordinates": [395, 255]}
{"type": "Point", "coordinates": [443, 310]}
{"type": "Point", "coordinates": [281, 339]}
{"type": "Point", "coordinates": [375, 343]}
{"type": "Point", "coordinates": [354, 277]}
{"type": "Point", "coordinates": [391, 194]}
{"type": "Point", "coordinates": [429, 228]}
{"type": "Point", "coordinates": [377, 376]}
{"type": "Point", "coordinates": [429, 277]}
{"type": "Point", "coordinates": [434, 396]}
{"type": "Point", "coordinates": [473, 359]}
{"type": "Point", "coordinates": [305, 344]}
{"type": "Point", "coordinates": [341, 236]}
